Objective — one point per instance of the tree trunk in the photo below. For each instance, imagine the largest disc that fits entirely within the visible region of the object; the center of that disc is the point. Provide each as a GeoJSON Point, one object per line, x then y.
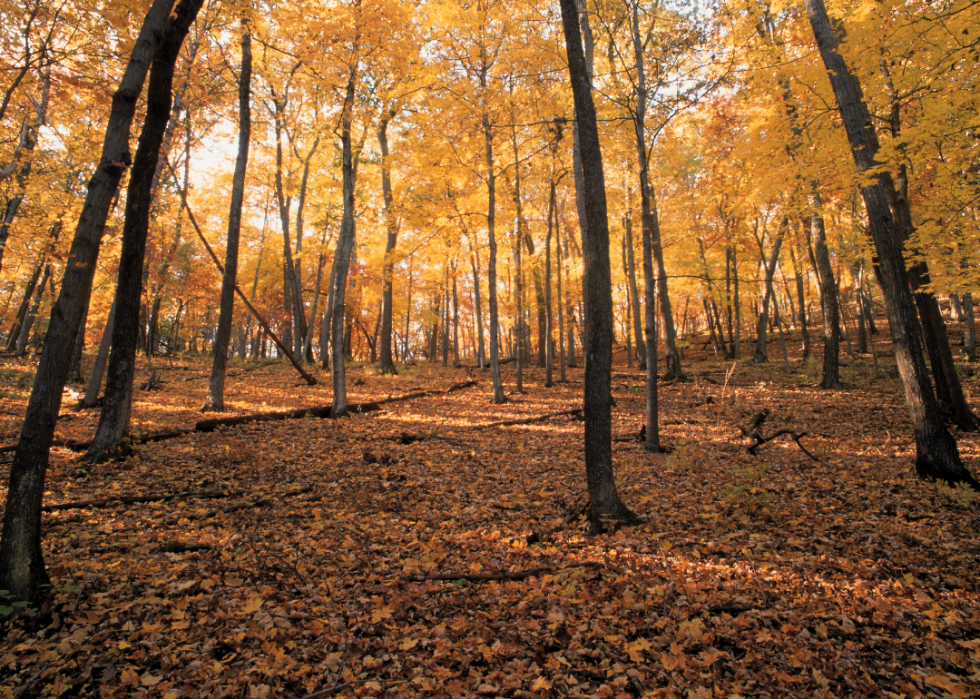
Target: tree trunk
{"type": "Point", "coordinates": [22, 571]}
{"type": "Point", "coordinates": [498, 387]}
{"type": "Point", "coordinates": [831, 310]}
{"type": "Point", "coordinates": [604, 499]}
{"type": "Point", "coordinates": [387, 364]}
{"type": "Point", "coordinates": [641, 350]}
{"type": "Point", "coordinates": [969, 333]}
{"type": "Point", "coordinates": [342, 256]}
{"type": "Point", "coordinates": [215, 401]}
{"type": "Point", "coordinates": [25, 331]}
{"type": "Point", "coordinates": [549, 361]}
{"type": "Point", "coordinates": [937, 456]}
{"type": "Point", "coordinates": [25, 153]}
{"type": "Point", "coordinates": [117, 401]}
{"type": "Point", "coordinates": [767, 292]}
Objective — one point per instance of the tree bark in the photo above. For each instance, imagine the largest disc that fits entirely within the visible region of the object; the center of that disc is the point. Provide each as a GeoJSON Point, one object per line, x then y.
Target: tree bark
{"type": "Point", "coordinates": [604, 499]}
{"type": "Point", "coordinates": [938, 456]}
{"type": "Point", "coordinates": [216, 386]}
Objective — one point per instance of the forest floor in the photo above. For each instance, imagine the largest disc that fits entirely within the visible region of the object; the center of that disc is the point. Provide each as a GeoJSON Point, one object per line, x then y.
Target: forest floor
{"type": "Point", "coordinates": [328, 558]}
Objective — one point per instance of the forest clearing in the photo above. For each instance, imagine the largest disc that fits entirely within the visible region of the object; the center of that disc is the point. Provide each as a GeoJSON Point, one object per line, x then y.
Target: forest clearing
{"type": "Point", "coordinates": [327, 558]}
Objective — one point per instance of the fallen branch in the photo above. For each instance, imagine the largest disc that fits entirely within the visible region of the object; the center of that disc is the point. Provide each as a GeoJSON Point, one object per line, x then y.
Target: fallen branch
{"type": "Point", "coordinates": [410, 438]}
{"type": "Point", "coordinates": [130, 499]}
{"type": "Point", "coordinates": [258, 316]}
{"type": "Point", "coordinates": [513, 575]}
{"type": "Point", "coordinates": [322, 411]}
{"type": "Point", "coordinates": [754, 431]}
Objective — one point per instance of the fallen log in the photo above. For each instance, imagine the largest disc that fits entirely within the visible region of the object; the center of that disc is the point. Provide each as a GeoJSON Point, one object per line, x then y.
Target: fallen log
{"type": "Point", "coordinates": [201, 495]}
{"type": "Point", "coordinates": [513, 575]}
{"type": "Point", "coordinates": [322, 411]}
{"type": "Point", "coordinates": [132, 499]}
{"type": "Point", "coordinates": [411, 438]}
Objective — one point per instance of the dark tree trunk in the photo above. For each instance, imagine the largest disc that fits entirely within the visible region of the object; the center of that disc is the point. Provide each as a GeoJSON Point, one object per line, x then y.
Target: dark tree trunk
{"type": "Point", "coordinates": [549, 362]}
{"type": "Point", "coordinates": [805, 330]}
{"type": "Point", "coordinates": [22, 310]}
{"type": "Point", "coordinates": [25, 331]}
{"type": "Point", "coordinates": [969, 333]}
{"type": "Point", "coordinates": [828, 301]}
{"type": "Point", "coordinates": [22, 571]}
{"type": "Point", "coordinates": [937, 456]}
{"type": "Point", "coordinates": [215, 401]}
{"type": "Point", "coordinates": [604, 500]}
{"type": "Point", "coordinates": [641, 350]}
{"type": "Point", "coordinates": [767, 292]}
{"type": "Point", "coordinates": [117, 401]}
{"type": "Point", "coordinates": [387, 364]}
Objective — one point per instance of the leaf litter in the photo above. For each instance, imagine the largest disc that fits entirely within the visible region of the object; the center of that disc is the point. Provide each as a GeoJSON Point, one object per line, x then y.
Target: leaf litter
{"type": "Point", "coordinates": [335, 560]}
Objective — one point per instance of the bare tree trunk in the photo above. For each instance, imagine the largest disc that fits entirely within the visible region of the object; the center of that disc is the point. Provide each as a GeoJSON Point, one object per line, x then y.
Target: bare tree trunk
{"type": "Point", "coordinates": [342, 257]}
{"type": "Point", "coordinates": [634, 293]}
{"type": "Point", "coordinates": [215, 401]}
{"type": "Point", "coordinates": [969, 333]}
{"type": "Point", "coordinates": [25, 331]}
{"type": "Point", "coordinates": [498, 387]}
{"type": "Point", "coordinates": [604, 500]}
{"type": "Point", "coordinates": [767, 292]}
{"type": "Point", "coordinates": [387, 365]}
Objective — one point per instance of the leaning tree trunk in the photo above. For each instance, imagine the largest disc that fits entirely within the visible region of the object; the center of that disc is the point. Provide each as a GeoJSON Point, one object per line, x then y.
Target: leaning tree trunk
{"type": "Point", "coordinates": [216, 387]}
{"type": "Point", "coordinates": [938, 456]}
{"type": "Point", "coordinates": [22, 571]}
{"type": "Point", "coordinates": [116, 404]}
{"type": "Point", "coordinates": [604, 500]}
{"type": "Point", "coordinates": [969, 333]}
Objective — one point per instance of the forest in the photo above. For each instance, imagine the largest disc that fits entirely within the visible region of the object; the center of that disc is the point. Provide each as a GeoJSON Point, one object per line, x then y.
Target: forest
{"type": "Point", "coordinates": [594, 348]}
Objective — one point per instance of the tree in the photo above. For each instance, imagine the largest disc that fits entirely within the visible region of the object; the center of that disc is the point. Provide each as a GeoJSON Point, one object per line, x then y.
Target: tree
{"type": "Point", "coordinates": [22, 571]}
{"type": "Point", "coordinates": [937, 455]}
{"type": "Point", "coordinates": [604, 500]}
{"type": "Point", "coordinates": [216, 387]}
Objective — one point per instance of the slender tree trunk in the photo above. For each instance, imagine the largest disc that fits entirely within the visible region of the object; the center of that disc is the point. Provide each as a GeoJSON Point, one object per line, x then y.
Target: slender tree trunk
{"type": "Point", "coordinates": [562, 377]}
{"type": "Point", "coordinates": [634, 293]}
{"type": "Point", "coordinates": [831, 309]}
{"type": "Point", "coordinates": [22, 571]}
{"type": "Point", "coordinates": [25, 152]}
{"type": "Point", "coordinates": [767, 292]}
{"type": "Point", "coordinates": [805, 331]}
{"type": "Point", "coordinates": [604, 500]}
{"type": "Point", "coordinates": [24, 307]}
{"type": "Point", "coordinates": [478, 308]}
{"type": "Point", "coordinates": [342, 257]}
{"type": "Point", "coordinates": [25, 331]}
{"type": "Point", "coordinates": [387, 365]}
{"type": "Point", "coordinates": [549, 362]}
{"type": "Point", "coordinates": [937, 456]}
{"type": "Point", "coordinates": [498, 387]}
{"type": "Point", "coordinates": [969, 333]}
{"type": "Point", "coordinates": [215, 401]}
